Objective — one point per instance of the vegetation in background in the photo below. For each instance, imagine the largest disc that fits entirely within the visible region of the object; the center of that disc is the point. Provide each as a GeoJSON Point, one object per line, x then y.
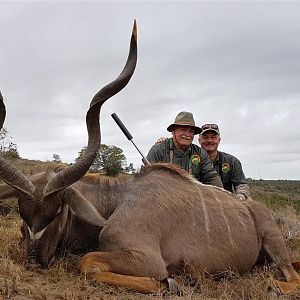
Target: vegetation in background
{"type": "Point", "coordinates": [129, 169]}
{"type": "Point", "coordinates": [8, 149]}
{"type": "Point", "coordinates": [56, 158]}
{"type": "Point", "coordinates": [110, 159]}
{"type": "Point", "coordinates": [276, 193]}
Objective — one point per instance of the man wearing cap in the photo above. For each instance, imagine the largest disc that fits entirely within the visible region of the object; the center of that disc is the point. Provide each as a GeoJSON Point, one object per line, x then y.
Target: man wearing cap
{"type": "Point", "coordinates": [228, 166]}
{"type": "Point", "coordinates": [179, 150]}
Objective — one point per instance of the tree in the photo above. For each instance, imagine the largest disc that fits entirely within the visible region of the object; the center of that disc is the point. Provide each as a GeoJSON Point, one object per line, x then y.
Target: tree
{"type": "Point", "coordinates": [110, 159]}
{"type": "Point", "coordinates": [129, 169]}
{"type": "Point", "coordinates": [8, 149]}
{"type": "Point", "coordinates": [4, 138]}
{"type": "Point", "coordinates": [56, 158]}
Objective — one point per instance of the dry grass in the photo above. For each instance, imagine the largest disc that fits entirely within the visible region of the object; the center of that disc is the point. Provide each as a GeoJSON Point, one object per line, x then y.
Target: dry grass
{"type": "Point", "coordinates": [62, 281]}
{"type": "Point", "coordinates": [289, 223]}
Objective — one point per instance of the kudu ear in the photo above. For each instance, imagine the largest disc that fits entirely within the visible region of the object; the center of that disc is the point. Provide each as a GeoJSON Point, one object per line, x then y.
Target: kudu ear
{"type": "Point", "coordinates": [82, 207]}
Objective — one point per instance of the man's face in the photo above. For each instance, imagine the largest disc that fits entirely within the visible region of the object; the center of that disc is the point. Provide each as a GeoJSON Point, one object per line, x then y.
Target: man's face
{"type": "Point", "coordinates": [209, 141]}
{"type": "Point", "coordinates": [183, 135]}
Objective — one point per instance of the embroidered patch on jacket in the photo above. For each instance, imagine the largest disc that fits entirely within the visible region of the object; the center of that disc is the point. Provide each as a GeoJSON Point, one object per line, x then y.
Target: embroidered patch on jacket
{"type": "Point", "coordinates": [195, 159]}
{"type": "Point", "coordinates": [225, 167]}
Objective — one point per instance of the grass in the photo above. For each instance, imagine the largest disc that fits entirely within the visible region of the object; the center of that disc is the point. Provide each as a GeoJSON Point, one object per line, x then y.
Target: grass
{"type": "Point", "coordinates": [277, 193]}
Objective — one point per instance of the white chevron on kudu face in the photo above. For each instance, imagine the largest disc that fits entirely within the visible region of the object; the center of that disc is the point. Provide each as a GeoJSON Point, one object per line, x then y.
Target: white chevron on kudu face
{"type": "Point", "coordinates": [34, 236]}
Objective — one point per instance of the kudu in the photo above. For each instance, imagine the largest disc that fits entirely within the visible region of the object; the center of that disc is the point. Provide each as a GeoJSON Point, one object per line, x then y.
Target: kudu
{"type": "Point", "coordinates": [153, 223]}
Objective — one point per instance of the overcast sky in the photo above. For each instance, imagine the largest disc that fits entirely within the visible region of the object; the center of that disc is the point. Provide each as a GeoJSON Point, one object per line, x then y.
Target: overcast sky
{"type": "Point", "coordinates": [236, 64]}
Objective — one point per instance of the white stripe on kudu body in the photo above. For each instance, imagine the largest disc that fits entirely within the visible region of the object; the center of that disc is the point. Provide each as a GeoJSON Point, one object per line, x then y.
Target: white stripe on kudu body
{"type": "Point", "coordinates": [206, 217]}
{"type": "Point", "coordinates": [220, 205]}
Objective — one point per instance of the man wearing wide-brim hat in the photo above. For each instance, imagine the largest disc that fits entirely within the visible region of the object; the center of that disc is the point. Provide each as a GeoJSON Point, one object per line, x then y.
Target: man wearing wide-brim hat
{"type": "Point", "coordinates": [180, 150]}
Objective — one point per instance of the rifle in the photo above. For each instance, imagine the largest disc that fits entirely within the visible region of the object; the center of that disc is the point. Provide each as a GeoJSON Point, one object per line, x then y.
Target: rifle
{"type": "Point", "coordinates": [129, 137]}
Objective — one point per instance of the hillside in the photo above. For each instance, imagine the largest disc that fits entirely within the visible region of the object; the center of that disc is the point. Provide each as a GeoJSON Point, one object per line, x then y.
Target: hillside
{"type": "Point", "coordinates": [276, 193]}
{"type": "Point", "coordinates": [271, 192]}
{"type": "Point", "coordinates": [30, 167]}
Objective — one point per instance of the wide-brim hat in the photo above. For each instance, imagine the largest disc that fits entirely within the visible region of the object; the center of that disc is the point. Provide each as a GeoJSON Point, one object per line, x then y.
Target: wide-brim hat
{"type": "Point", "coordinates": [185, 118]}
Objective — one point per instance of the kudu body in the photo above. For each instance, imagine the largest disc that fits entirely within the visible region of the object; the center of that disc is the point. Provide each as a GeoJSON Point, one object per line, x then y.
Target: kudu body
{"type": "Point", "coordinates": [153, 223]}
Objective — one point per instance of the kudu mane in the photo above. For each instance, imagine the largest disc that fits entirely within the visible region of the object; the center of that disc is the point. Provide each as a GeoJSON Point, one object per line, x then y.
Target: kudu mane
{"type": "Point", "coordinates": [97, 178]}
{"type": "Point", "coordinates": [104, 180]}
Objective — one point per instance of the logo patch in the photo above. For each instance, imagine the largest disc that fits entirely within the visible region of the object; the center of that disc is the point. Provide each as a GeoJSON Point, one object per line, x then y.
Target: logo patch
{"type": "Point", "coordinates": [195, 159]}
{"type": "Point", "coordinates": [225, 167]}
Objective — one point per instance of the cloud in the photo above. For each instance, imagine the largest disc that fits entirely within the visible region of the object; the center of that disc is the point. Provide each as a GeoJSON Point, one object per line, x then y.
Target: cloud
{"type": "Point", "coordinates": [233, 63]}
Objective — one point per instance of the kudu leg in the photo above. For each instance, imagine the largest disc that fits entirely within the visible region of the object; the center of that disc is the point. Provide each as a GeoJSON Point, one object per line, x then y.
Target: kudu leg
{"type": "Point", "coordinates": [274, 245]}
{"type": "Point", "coordinates": [110, 267]}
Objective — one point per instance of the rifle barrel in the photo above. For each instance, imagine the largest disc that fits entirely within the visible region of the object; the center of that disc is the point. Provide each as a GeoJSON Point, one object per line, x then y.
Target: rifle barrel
{"type": "Point", "coordinates": [129, 136]}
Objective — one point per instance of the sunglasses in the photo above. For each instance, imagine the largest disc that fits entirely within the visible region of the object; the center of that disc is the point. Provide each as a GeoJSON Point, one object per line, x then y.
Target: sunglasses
{"type": "Point", "coordinates": [210, 126]}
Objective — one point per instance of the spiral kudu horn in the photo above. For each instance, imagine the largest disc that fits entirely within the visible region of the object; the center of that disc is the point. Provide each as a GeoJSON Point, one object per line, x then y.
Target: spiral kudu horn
{"type": "Point", "coordinates": [8, 172]}
{"type": "Point", "coordinates": [73, 173]}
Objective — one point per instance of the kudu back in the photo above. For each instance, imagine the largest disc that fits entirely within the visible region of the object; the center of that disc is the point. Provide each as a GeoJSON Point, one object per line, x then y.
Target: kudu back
{"type": "Point", "coordinates": [152, 224]}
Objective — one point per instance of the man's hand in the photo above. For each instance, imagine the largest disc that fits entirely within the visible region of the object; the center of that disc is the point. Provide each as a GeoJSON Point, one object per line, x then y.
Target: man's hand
{"type": "Point", "coordinates": [241, 196]}
{"type": "Point", "coordinates": [243, 191]}
{"type": "Point", "coordinates": [161, 140]}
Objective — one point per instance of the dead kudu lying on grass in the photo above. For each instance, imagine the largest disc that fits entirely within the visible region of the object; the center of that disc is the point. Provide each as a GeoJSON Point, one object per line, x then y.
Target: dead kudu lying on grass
{"type": "Point", "coordinates": [152, 223]}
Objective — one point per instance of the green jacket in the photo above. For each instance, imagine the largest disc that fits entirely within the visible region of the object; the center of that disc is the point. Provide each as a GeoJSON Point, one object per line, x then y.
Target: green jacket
{"type": "Point", "coordinates": [195, 160]}
{"type": "Point", "coordinates": [231, 172]}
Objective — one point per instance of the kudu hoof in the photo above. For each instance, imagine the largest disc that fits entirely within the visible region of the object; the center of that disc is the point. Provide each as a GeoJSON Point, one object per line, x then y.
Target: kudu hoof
{"type": "Point", "coordinates": [284, 287]}
{"type": "Point", "coordinates": [171, 287]}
